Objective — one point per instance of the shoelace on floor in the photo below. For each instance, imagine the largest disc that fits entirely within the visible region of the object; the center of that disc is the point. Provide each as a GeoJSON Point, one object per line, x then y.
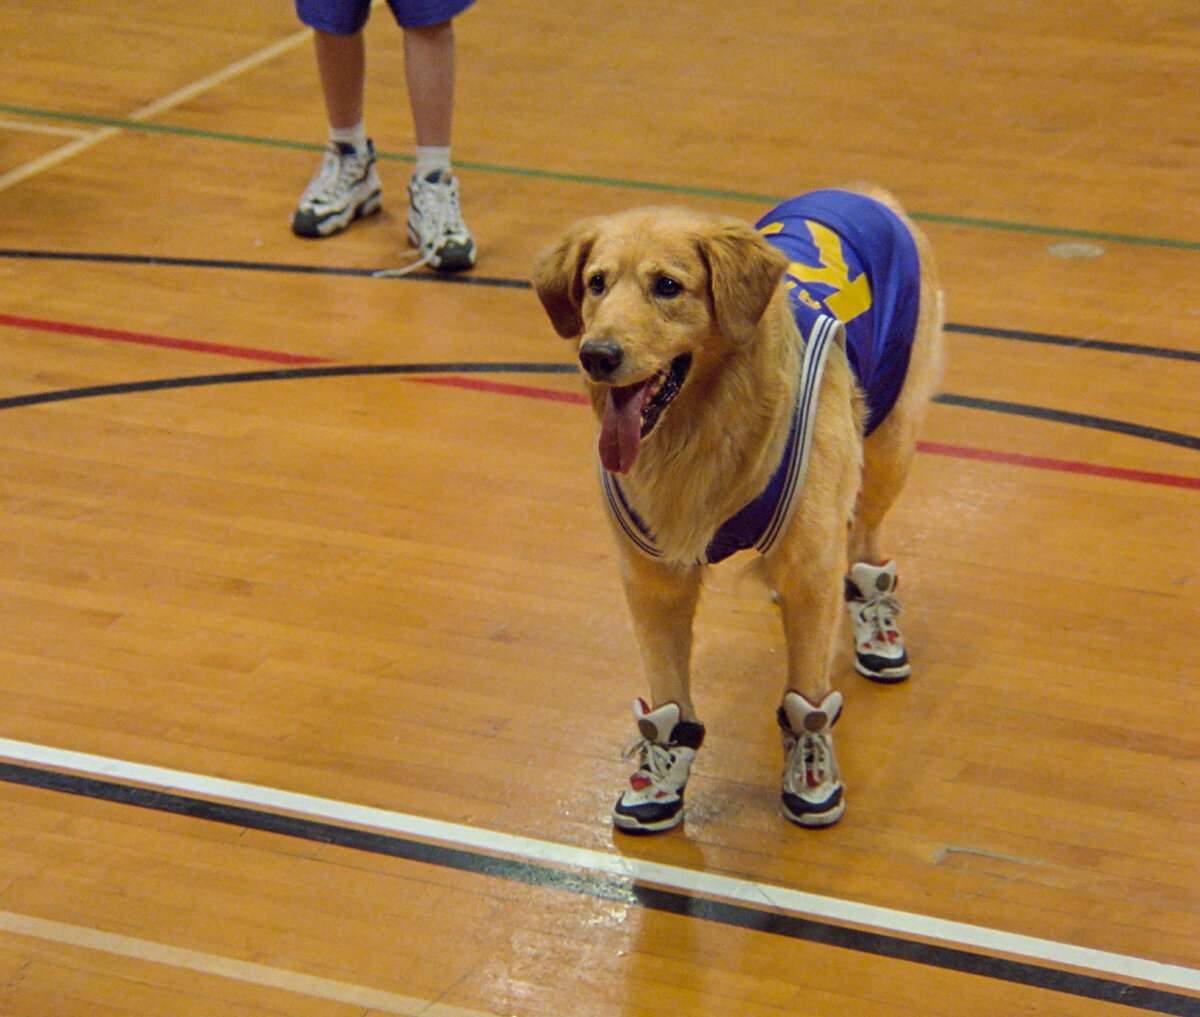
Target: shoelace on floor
{"type": "Point", "coordinates": [397, 273]}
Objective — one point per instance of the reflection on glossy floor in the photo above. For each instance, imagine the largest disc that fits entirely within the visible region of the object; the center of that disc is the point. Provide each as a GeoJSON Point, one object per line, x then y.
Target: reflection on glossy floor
{"type": "Point", "coordinates": [334, 540]}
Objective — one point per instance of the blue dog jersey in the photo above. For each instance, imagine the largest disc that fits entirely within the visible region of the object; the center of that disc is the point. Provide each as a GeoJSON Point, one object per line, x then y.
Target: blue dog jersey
{"type": "Point", "coordinates": [853, 258]}
{"type": "Point", "coordinates": [854, 273]}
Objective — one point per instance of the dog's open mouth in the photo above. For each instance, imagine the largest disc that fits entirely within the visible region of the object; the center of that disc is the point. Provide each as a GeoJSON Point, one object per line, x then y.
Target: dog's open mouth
{"type": "Point", "coordinates": [631, 411]}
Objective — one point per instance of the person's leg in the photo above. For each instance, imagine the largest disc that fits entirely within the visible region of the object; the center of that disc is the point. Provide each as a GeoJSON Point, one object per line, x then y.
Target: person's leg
{"type": "Point", "coordinates": [435, 223]}
{"type": "Point", "coordinates": [429, 55]}
{"type": "Point", "coordinates": [346, 185]}
{"type": "Point", "coordinates": [341, 63]}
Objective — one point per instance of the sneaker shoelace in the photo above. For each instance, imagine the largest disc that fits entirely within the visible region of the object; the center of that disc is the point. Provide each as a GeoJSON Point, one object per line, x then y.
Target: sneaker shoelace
{"type": "Point", "coordinates": [437, 203]}
{"type": "Point", "coordinates": [811, 754]}
{"type": "Point", "coordinates": [878, 611]}
{"type": "Point", "coordinates": [337, 172]}
{"type": "Point", "coordinates": [655, 758]}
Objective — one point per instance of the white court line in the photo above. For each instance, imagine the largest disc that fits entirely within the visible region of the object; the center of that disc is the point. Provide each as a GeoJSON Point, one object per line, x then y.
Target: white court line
{"type": "Point", "coordinates": [797, 902]}
{"type": "Point", "coordinates": [31, 128]}
{"type": "Point", "coordinates": [50, 159]}
{"type": "Point", "coordinates": [176, 98]}
{"type": "Point", "coordinates": [375, 1000]}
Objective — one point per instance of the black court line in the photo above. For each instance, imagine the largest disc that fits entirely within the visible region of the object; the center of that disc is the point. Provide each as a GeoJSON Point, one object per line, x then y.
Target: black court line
{"type": "Point", "coordinates": [500, 282]}
{"type": "Point", "coordinates": [1104, 346]}
{"type": "Point", "coordinates": [367, 370]}
{"type": "Point", "coordinates": [281, 374]}
{"type": "Point", "coordinates": [1074, 419]}
{"type": "Point", "coordinates": [627, 891]}
{"type": "Point", "coordinates": [461, 279]}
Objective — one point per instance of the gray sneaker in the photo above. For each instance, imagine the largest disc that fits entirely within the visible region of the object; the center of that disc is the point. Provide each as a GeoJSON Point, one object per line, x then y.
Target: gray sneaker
{"type": "Point", "coordinates": [346, 186]}
{"type": "Point", "coordinates": [812, 783]}
{"type": "Point", "coordinates": [435, 224]}
{"type": "Point", "coordinates": [878, 646]}
{"type": "Point", "coordinates": [665, 748]}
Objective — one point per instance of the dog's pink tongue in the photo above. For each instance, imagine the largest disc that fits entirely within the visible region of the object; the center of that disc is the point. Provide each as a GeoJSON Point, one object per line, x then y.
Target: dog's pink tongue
{"type": "Point", "coordinates": [621, 427]}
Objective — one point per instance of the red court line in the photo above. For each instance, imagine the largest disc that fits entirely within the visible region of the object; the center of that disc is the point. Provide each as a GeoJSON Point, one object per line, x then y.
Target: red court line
{"type": "Point", "coordinates": [162, 342]}
{"type": "Point", "coordinates": [533, 392]}
{"type": "Point", "coordinates": [1061, 465]}
{"type": "Point", "coordinates": [927, 447]}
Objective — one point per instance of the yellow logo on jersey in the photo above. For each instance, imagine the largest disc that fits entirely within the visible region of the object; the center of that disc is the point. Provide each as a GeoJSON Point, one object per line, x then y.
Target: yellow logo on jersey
{"type": "Point", "coordinates": [849, 298]}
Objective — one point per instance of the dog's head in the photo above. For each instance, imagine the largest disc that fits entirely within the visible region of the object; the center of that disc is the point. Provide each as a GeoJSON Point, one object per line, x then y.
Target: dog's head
{"type": "Point", "coordinates": [646, 295]}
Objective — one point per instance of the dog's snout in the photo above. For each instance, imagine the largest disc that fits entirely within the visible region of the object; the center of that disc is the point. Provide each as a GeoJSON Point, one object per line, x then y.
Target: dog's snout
{"type": "Point", "coordinates": [600, 357]}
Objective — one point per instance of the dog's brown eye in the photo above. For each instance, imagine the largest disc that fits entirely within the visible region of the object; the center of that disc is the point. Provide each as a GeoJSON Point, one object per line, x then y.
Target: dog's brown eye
{"type": "Point", "coordinates": [595, 284]}
{"type": "Point", "coordinates": [665, 286]}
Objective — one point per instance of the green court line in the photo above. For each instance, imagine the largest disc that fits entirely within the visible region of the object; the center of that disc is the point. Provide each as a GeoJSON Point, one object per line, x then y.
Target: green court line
{"type": "Point", "coordinates": [675, 190]}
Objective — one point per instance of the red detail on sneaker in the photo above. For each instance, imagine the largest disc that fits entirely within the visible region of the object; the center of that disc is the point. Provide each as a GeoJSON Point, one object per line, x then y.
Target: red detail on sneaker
{"type": "Point", "coordinates": [661, 794]}
{"type": "Point", "coordinates": [639, 782]}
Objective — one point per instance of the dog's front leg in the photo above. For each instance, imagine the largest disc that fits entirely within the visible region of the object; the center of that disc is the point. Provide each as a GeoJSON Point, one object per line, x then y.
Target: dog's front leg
{"type": "Point", "coordinates": [810, 596]}
{"type": "Point", "coordinates": [811, 608]}
{"type": "Point", "coordinates": [662, 603]}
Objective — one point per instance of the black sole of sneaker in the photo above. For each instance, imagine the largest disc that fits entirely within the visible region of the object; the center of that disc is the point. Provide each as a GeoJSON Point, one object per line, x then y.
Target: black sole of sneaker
{"type": "Point", "coordinates": [814, 820]}
{"type": "Point", "coordinates": [313, 229]}
{"type": "Point", "coordinates": [631, 824]}
{"type": "Point", "coordinates": [890, 677]}
{"type": "Point", "coordinates": [637, 830]}
{"type": "Point", "coordinates": [454, 263]}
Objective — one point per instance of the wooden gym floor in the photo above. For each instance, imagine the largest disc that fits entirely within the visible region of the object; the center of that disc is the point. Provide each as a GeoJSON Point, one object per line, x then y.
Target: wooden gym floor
{"type": "Point", "coordinates": [314, 669]}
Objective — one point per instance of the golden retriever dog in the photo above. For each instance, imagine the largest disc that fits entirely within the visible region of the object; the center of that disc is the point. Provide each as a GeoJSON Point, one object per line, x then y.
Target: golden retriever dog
{"type": "Point", "coordinates": [756, 389]}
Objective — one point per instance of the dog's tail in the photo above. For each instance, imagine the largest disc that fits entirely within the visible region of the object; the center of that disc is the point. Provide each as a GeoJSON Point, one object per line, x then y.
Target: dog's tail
{"type": "Point", "coordinates": [939, 364]}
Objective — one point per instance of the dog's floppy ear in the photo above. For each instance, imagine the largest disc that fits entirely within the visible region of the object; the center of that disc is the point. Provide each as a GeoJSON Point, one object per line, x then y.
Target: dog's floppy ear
{"type": "Point", "coordinates": [558, 277]}
{"type": "Point", "coordinates": [743, 272]}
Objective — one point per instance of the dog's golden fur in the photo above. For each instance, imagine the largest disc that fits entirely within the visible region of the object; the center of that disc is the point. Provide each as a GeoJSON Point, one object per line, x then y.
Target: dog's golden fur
{"type": "Point", "coordinates": [722, 437]}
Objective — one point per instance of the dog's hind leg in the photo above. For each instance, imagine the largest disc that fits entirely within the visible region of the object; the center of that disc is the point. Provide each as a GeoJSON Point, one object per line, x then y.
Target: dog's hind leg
{"type": "Point", "coordinates": [887, 457]}
{"type": "Point", "coordinates": [662, 603]}
{"type": "Point", "coordinates": [870, 585]}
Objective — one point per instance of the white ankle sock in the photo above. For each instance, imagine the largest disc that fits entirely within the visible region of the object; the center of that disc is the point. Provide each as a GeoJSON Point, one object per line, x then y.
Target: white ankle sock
{"type": "Point", "coordinates": [356, 135]}
{"type": "Point", "coordinates": [430, 159]}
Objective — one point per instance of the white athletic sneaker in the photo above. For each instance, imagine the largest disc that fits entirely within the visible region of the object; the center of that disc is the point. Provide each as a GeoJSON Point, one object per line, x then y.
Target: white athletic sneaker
{"type": "Point", "coordinates": [812, 784]}
{"type": "Point", "coordinates": [666, 748]}
{"type": "Point", "coordinates": [346, 186]}
{"type": "Point", "coordinates": [878, 646]}
{"type": "Point", "coordinates": [435, 223]}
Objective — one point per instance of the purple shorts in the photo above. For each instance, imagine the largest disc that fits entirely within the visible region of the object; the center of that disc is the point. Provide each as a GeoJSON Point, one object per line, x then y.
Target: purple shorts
{"type": "Point", "coordinates": [345, 17]}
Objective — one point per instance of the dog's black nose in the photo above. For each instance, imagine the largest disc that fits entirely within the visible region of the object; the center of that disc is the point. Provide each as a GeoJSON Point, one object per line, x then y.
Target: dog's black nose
{"type": "Point", "coordinates": [600, 357]}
